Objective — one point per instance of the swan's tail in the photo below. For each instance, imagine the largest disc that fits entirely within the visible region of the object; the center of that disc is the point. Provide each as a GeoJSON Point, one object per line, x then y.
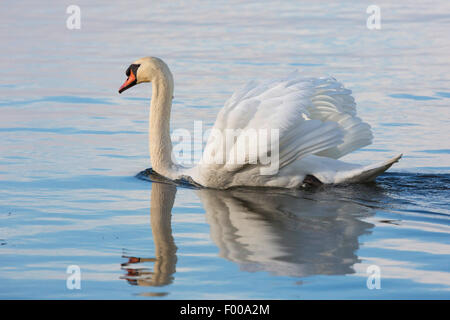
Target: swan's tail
{"type": "Point", "coordinates": [370, 172]}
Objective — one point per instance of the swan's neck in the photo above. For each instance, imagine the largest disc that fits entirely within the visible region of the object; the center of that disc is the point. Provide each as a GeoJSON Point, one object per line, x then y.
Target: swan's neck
{"type": "Point", "coordinates": [159, 129]}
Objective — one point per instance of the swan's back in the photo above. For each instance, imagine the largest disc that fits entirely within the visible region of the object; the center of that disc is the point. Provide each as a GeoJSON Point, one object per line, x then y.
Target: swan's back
{"type": "Point", "coordinates": [313, 116]}
{"type": "Point", "coordinates": [290, 104]}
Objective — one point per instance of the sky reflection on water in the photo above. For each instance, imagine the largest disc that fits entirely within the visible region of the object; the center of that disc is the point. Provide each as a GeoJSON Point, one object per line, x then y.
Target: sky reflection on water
{"type": "Point", "coordinates": [71, 147]}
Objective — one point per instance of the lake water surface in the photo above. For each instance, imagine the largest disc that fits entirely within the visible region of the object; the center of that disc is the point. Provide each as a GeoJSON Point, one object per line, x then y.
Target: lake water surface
{"type": "Point", "coordinates": [71, 148]}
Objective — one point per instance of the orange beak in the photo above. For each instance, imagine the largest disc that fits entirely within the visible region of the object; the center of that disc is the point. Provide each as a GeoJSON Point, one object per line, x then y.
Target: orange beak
{"type": "Point", "coordinates": [131, 81]}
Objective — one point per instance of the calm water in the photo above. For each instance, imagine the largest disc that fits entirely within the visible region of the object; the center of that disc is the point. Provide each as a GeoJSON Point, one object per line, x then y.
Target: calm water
{"type": "Point", "coordinates": [71, 148]}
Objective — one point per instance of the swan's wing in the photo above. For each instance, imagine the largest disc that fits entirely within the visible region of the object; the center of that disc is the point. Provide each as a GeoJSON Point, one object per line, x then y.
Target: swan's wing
{"type": "Point", "coordinates": [311, 116]}
{"type": "Point", "coordinates": [332, 102]}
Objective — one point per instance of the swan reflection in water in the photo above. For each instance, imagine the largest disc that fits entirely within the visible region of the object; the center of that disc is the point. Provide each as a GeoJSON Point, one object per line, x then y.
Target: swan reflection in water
{"type": "Point", "coordinates": [287, 233]}
{"type": "Point", "coordinates": [161, 203]}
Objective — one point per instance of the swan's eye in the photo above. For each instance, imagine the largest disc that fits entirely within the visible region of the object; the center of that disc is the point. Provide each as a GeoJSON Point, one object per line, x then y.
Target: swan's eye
{"type": "Point", "coordinates": [132, 67]}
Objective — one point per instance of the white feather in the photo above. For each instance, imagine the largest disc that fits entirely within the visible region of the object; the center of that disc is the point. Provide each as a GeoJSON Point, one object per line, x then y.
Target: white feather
{"type": "Point", "coordinates": [313, 117]}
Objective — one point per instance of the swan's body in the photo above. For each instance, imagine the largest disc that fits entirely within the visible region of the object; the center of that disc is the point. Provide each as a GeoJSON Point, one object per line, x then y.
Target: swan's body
{"type": "Point", "coordinates": [315, 120]}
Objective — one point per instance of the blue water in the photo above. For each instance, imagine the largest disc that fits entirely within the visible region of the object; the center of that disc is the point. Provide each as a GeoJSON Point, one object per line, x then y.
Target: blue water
{"type": "Point", "coordinates": [71, 148]}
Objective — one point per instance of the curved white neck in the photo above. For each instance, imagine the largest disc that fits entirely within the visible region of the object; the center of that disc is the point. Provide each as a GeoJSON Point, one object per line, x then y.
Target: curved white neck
{"type": "Point", "coordinates": [160, 144]}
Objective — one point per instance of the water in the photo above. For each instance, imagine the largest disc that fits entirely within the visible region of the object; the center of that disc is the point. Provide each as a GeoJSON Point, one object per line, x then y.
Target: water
{"type": "Point", "coordinates": [71, 148]}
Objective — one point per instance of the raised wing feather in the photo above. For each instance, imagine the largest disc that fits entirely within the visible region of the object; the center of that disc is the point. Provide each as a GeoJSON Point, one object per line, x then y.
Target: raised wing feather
{"type": "Point", "coordinates": [332, 102]}
{"type": "Point", "coordinates": [311, 116]}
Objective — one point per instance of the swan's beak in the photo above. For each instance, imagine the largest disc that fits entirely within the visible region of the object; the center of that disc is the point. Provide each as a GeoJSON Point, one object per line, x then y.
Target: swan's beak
{"type": "Point", "coordinates": [131, 81]}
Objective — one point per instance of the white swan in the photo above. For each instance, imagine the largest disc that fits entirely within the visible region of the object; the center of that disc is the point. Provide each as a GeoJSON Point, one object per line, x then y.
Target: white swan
{"type": "Point", "coordinates": [315, 120]}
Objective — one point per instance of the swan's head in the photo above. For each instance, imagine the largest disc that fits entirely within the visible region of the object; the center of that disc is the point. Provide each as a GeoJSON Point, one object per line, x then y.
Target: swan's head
{"type": "Point", "coordinates": [143, 70]}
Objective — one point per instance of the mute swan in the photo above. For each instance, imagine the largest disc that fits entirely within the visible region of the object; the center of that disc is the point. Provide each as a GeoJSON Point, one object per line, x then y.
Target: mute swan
{"type": "Point", "coordinates": [313, 120]}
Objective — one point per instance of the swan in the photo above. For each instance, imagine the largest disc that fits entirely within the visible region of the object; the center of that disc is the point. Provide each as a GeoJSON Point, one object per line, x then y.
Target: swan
{"type": "Point", "coordinates": [313, 121]}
